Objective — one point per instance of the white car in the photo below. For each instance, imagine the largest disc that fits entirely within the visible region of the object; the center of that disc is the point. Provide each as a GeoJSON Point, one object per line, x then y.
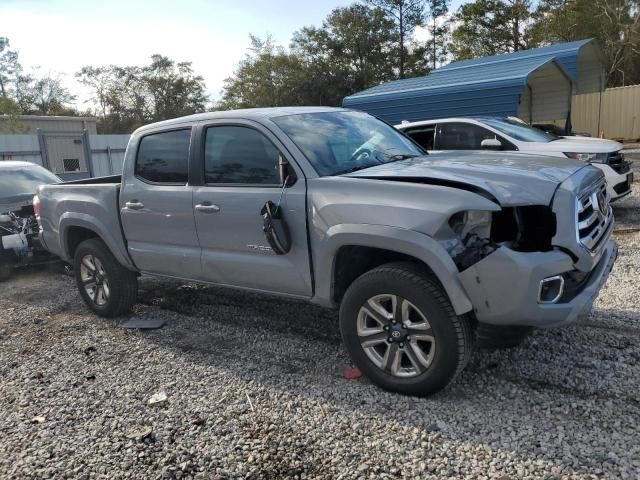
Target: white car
{"type": "Point", "coordinates": [506, 134]}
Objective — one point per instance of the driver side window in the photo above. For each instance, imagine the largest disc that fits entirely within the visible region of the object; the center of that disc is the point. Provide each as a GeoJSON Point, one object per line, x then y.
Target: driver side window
{"type": "Point", "coordinates": [240, 155]}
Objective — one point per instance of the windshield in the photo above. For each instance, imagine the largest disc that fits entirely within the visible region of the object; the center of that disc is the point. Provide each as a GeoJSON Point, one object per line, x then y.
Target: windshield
{"type": "Point", "coordinates": [24, 180]}
{"type": "Point", "coordinates": [342, 141]}
{"type": "Point", "coordinates": [519, 131]}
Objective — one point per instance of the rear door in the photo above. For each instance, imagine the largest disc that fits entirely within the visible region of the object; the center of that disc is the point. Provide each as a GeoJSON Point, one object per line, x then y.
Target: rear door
{"type": "Point", "coordinates": [240, 172]}
{"type": "Point", "coordinates": [156, 205]}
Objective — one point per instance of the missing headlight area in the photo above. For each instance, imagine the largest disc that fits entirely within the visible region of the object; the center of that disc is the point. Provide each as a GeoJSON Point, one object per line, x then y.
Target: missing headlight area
{"type": "Point", "coordinates": [477, 234]}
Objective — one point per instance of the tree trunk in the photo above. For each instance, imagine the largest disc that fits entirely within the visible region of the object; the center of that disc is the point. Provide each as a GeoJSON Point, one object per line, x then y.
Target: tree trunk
{"type": "Point", "coordinates": [435, 46]}
{"type": "Point", "coordinates": [401, 45]}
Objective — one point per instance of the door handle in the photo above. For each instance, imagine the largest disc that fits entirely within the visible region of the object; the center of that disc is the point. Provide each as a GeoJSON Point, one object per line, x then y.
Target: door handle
{"type": "Point", "coordinates": [134, 205]}
{"type": "Point", "coordinates": [207, 208]}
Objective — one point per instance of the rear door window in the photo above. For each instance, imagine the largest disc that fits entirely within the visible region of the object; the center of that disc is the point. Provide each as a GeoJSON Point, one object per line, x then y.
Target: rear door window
{"type": "Point", "coordinates": [423, 136]}
{"type": "Point", "coordinates": [461, 136]}
{"type": "Point", "coordinates": [164, 157]}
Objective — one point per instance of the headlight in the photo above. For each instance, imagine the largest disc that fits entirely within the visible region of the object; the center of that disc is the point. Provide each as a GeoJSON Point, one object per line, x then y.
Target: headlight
{"type": "Point", "coordinates": [588, 157]}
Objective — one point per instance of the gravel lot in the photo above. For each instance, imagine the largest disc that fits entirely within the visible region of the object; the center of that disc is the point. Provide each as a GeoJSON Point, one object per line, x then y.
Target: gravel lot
{"type": "Point", "coordinates": [255, 389]}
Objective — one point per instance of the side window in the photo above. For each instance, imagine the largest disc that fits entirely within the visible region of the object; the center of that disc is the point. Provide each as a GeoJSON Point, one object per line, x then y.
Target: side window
{"type": "Point", "coordinates": [164, 157]}
{"type": "Point", "coordinates": [423, 136]}
{"type": "Point", "coordinates": [461, 136]}
{"type": "Point", "coordinates": [240, 155]}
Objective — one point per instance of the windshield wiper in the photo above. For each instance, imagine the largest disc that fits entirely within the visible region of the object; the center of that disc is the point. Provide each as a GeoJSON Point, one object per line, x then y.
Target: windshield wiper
{"type": "Point", "coordinates": [387, 158]}
{"type": "Point", "coordinates": [355, 169]}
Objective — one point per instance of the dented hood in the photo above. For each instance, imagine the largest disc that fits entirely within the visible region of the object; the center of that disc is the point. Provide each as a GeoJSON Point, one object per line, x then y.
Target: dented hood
{"type": "Point", "coordinates": [511, 178]}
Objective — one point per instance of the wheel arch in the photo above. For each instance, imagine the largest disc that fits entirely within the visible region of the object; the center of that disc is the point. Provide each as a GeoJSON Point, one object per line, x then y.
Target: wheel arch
{"type": "Point", "coordinates": [75, 228]}
{"type": "Point", "coordinates": [380, 244]}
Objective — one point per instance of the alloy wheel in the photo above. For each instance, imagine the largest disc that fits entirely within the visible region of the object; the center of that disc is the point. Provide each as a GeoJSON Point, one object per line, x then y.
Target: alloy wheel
{"type": "Point", "coordinates": [396, 336]}
{"type": "Point", "coordinates": [94, 280]}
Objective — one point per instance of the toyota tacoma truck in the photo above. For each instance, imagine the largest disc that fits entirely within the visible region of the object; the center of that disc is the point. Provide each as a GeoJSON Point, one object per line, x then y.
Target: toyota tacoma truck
{"type": "Point", "coordinates": [418, 252]}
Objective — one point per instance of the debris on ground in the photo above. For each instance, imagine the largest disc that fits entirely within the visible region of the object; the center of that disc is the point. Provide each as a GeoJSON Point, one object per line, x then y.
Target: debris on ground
{"type": "Point", "coordinates": [158, 398]}
{"type": "Point", "coordinates": [143, 324]}
{"type": "Point", "coordinates": [351, 373]}
{"type": "Point", "coordinates": [139, 434]}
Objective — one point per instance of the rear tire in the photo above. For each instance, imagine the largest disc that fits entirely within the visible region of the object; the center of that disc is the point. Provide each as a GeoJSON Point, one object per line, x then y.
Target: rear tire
{"type": "Point", "coordinates": [107, 288]}
{"type": "Point", "coordinates": [434, 343]}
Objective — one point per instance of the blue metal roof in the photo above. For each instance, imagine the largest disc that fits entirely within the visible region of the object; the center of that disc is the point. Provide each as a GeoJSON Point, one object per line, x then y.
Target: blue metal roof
{"type": "Point", "coordinates": [482, 86]}
{"type": "Point", "coordinates": [565, 53]}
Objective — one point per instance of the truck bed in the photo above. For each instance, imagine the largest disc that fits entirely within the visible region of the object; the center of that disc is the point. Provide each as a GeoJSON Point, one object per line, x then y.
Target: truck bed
{"type": "Point", "coordinates": [80, 208]}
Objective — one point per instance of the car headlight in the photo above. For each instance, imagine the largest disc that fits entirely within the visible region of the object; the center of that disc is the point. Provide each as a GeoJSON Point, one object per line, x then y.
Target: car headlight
{"type": "Point", "coordinates": [588, 157]}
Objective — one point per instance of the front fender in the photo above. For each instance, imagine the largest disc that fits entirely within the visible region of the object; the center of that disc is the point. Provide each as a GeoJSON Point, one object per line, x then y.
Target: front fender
{"type": "Point", "coordinates": [399, 240]}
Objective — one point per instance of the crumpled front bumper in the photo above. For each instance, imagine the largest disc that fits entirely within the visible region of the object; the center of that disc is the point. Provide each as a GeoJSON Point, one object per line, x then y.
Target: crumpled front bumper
{"type": "Point", "coordinates": [503, 287]}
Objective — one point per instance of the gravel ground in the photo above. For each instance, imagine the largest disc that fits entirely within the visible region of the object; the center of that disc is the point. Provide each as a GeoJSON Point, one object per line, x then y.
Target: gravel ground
{"type": "Point", "coordinates": [255, 389]}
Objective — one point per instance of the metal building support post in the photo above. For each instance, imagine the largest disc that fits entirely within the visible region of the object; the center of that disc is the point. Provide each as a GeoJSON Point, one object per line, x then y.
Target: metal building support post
{"type": "Point", "coordinates": [43, 149]}
{"type": "Point", "coordinates": [87, 151]}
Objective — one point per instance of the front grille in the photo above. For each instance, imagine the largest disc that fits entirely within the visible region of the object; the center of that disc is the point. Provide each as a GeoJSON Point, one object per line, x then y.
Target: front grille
{"type": "Point", "coordinates": [618, 163]}
{"type": "Point", "coordinates": [594, 216]}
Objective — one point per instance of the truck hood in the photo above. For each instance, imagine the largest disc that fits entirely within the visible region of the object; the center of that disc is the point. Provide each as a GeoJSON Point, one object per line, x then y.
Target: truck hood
{"type": "Point", "coordinates": [510, 178]}
{"type": "Point", "coordinates": [16, 202]}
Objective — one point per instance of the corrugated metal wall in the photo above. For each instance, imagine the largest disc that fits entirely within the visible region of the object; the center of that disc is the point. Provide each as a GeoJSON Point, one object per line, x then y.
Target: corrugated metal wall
{"type": "Point", "coordinates": [619, 113]}
{"type": "Point", "coordinates": [20, 147]}
{"type": "Point", "coordinates": [551, 93]}
{"type": "Point", "coordinates": [107, 152]}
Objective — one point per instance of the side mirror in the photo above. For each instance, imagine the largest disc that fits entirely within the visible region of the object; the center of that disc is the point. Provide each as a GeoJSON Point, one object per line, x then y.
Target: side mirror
{"type": "Point", "coordinates": [491, 144]}
{"type": "Point", "coordinates": [287, 174]}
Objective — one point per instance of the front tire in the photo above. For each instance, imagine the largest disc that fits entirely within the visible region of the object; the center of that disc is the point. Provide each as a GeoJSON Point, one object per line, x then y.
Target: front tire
{"type": "Point", "coordinates": [400, 329]}
{"type": "Point", "coordinates": [107, 288]}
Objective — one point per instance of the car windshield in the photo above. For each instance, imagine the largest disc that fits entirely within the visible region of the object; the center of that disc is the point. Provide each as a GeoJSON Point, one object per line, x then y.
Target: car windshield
{"type": "Point", "coordinates": [24, 180]}
{"type": "Point", "coordinates": [344, 141]}
{"type": "Point", "coordinates": [519, 131]}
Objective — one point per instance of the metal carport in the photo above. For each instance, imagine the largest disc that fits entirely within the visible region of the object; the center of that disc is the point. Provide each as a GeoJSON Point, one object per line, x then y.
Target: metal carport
{"type": "Point", "coordinates": [535, 85]}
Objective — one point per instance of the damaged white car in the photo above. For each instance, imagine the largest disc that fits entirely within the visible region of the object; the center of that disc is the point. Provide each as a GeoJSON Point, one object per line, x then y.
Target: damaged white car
{"type": "Point", "coordinates": [19, 244]}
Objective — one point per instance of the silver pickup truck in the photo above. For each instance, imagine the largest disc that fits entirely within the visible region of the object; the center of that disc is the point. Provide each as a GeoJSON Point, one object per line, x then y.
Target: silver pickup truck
{"type": "Point", "coordinates": [421, 254]}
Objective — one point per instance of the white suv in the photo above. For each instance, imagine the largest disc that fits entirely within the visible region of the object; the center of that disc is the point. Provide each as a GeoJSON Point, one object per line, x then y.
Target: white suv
{"type": "Point", "coordinates": [506, 134]}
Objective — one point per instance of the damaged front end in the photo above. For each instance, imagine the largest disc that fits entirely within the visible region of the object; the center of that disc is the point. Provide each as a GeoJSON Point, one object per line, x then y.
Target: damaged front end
{"type": "Point", "coordinates": [475, 234]}
{"type": "Point", "coordinates": [515, 272]}
{"type": "Point", "coordinates": [19, 243]}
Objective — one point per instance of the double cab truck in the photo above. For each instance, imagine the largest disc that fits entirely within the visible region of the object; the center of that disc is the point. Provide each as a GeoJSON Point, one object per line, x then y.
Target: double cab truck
{"type": "Point", "coordinates": [421, 254]}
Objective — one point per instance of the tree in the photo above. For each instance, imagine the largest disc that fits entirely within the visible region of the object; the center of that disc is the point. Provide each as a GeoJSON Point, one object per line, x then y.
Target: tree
{"type": "Point", "coordinates": [48, 94]}
{"type": "Point", "coordinates": [10, 117]}
{"type": "Point", "coordinates": [615, 24]}
{"type": "Point", "coordinates": [126, 97]}
{"type": "Point", "coordinates": [407, 15]}
{"type": "Point", "coordinates": [9, 66]}
{"type": "Point", "coordinates": [354, 49]}
{"type": "Point", "coordinates": [174, 89]}
{"type": "Point", "coordinates": [438, 29]}
{"type": "Point", "coordinates": [268, 76]}
{"type": "Point", "coordinates": [491, 27]}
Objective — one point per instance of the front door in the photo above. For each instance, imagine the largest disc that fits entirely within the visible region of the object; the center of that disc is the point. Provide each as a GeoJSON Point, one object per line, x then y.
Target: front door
{"type": "Point", "coordinates": [156, 206]}
{"type": "Point", "coordinates": [241, 173]}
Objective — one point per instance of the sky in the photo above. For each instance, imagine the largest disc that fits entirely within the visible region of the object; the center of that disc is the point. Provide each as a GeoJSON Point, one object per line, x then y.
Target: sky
{"type": "Point", "coordinates": [61, 36]}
